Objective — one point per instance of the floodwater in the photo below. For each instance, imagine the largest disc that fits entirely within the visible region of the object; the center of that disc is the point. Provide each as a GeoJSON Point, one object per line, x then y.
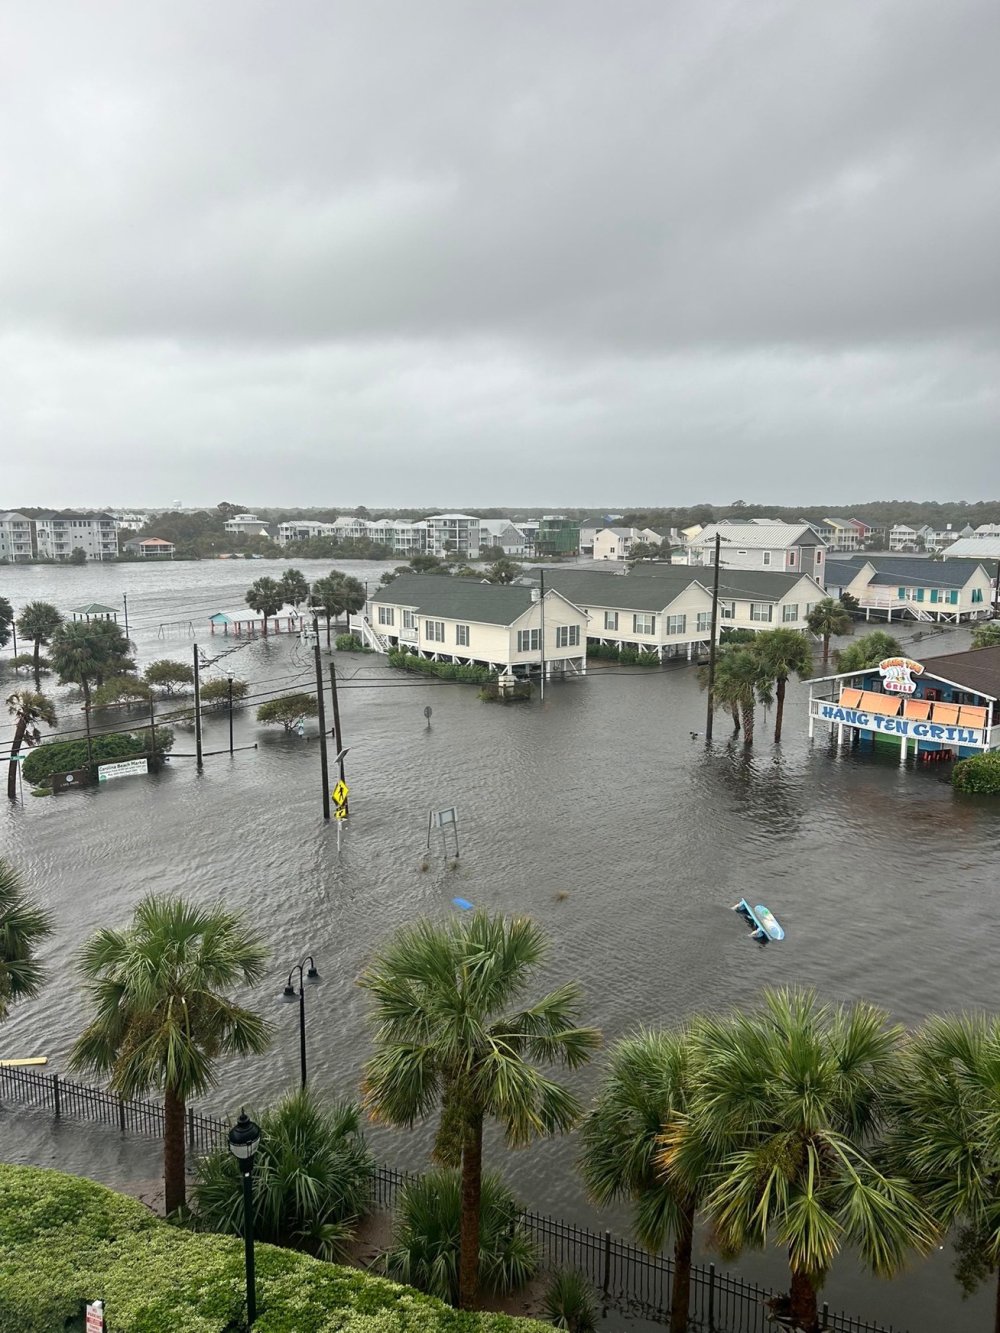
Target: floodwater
{"type": "Point", "coordinates": [595, 811]}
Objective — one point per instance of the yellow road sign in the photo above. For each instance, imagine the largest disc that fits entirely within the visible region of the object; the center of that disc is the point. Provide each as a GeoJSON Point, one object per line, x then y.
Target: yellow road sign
{"type": "Point", "coordinates": [339, 793]}
{"type": "Point", "coordinates": [340, 813]}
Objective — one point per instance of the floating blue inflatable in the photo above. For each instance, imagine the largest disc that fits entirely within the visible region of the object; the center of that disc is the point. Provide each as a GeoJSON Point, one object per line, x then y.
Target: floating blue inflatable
{"type": "Point", "coordinates": [762, 922]}
{"type": "Point", "coordinates": [463, 903]}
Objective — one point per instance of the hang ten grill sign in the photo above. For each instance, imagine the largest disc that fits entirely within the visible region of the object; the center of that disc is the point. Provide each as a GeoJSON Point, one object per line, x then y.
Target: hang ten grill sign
{"type": "Point", "coordinates": [128, 769]}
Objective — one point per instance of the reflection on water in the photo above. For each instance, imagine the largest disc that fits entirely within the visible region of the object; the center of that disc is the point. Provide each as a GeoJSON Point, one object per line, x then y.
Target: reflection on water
{"type": "Point", "coordinates": [596, 812]}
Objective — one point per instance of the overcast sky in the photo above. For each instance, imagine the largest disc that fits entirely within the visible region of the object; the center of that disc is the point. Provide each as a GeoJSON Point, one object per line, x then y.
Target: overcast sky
{"type": "Point", "coordinates": [492, 252]}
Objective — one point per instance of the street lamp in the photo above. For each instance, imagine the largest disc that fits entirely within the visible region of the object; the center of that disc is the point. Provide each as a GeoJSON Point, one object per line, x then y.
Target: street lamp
{"type": "Point", "coordinates": [290, 994]}
{"type": "Point", "coordinates": [229, 677]}
{"type": "Point", "coordinates": [244, 1138]}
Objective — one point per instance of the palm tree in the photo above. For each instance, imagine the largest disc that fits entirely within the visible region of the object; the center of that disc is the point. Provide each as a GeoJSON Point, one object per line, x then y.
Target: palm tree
{"type": "Point", "coordinates": [337, 594]}
{"type": "Point", "coordinates": [867, 651]}
{"type": "Point", "coordinates": [947, 1138]}
{"type": "Point", "coordinates": [27, 709]}
{"type": "Point", "coordinates": [294, 587]}
{"type": "Point", "coordinates": [780, 652]}
{"type": "Point", "coordinates": [265, 596]}
{"type": "Point", "coordinates": [740, 683]}
{"type": "Point", "coordinates": [160, 1015]}
{"type": "Point", "coordinates": [646, 1091]}
{"type": "Point", "coordinates": [788, 1104]}
{"type": "Point", "coordinates": [6, 620]}
{"type": "Point", "coordinates": [85, 653]}
{"type": "Point", "coordinates": [448, 1034]}
{"type": "Point", "coordinates": [22, 925]}
{"type": "Point", "coordinates": [39, 621]}
{"type": "Point", "coordinates": [827, 618]}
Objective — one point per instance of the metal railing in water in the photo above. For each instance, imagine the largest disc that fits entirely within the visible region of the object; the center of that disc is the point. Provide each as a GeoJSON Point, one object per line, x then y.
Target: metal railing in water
{"type": "Point", "coordinates": [628, 1278]}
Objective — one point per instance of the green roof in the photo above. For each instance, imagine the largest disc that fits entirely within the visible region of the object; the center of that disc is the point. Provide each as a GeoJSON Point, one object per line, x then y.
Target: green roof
{"type": "Point", "coordinates": [766, 584]}
{"type": "Point", "coordinates": [592, 587]}
{"type": "Point", "coordinates": [458, 599]}
{"type": "Point", "coordinates": [95, 609]}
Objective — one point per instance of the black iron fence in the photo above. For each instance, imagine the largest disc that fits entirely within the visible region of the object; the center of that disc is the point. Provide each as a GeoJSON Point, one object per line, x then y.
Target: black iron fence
{"type": "Point", "coordinates": [627, 1277]}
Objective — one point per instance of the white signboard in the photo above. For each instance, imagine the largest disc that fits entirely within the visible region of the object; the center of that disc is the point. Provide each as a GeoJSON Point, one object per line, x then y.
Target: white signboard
{"type": "Point", "coordinates": [900, 726]}
{"type": "Point", "coordinates": [129, 768]}
{"type": "Point", "coordinates": [95, 1317]}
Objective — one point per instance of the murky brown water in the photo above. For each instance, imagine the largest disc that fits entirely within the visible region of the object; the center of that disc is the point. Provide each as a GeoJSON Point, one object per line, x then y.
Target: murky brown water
{"type": "Point", "coordinates": [596, 812]}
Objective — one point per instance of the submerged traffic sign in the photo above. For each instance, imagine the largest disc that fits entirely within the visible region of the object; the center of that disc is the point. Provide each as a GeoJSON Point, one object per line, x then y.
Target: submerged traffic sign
{"type": "Point", "coordinates": [340, 793]}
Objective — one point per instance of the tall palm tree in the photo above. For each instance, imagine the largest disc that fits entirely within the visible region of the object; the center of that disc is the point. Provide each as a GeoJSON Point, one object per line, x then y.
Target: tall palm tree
{"type": "Point", "coordinates": [449, 1034]}
{"type": "Point", "coordinates": [39, 621]}
{"type": "Point", "coordinates": [788, 1104]}
{"type": "Point", "coordinates": [645, 1092]}
{"type": "Point", "coordinates": [27, 709]}
{"type": "Point", "coordinates": [160, 1014]}
{"type": "Point", "coordinates": [947, 1137]}
{"type": "Point", "coordinates": [867, 651]}
{"type": "Point", "coordinates": [265, 597]}
{"type": "Point", "coordinates": [6, 620]}
{"type": "Point", "coordinates": [22, 925]}
{"type": "Point", "coordinates": [740, 684]}
{"type": "Point", "coordinates": [84, 654]}
{"type": "Point", "coordinates": [781, 652]}
{"type": "Point", "coordinates": [829, 617]}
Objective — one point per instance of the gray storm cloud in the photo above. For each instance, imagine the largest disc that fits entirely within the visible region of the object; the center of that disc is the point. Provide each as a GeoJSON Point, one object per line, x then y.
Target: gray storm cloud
{"type": "Point", "coordinates": [645, 250]}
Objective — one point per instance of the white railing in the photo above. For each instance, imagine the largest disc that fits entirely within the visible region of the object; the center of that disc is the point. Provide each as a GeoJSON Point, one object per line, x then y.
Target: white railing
{"type": "Point", "coordinates": [920, 610]}
{"type": "Point", "coordinates": [371, 636]}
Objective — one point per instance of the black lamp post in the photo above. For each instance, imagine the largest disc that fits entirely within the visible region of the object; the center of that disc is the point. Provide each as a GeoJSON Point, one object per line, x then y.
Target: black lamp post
{"type": "Point", "coordinates": [290, 994]}
{"type": "Point", "coordinates": [229, 677]}
{"type": "Point", "coordinates": [244, 1138]}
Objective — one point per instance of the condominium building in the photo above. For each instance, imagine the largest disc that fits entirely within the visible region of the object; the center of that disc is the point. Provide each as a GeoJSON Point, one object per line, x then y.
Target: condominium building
{"type": "Point", "coordinates": [17, 541]}
{"type": "Point", "coordinates": [58, 535]}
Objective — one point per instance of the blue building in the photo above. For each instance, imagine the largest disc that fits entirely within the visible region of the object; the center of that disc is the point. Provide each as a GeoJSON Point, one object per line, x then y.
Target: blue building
{"type": "Point", "coordinates": [942, 707]}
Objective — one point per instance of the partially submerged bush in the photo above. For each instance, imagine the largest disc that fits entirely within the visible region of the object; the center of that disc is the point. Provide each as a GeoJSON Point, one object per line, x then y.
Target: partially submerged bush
{"type": "Point", "coordinates": [570, 1303]}
{"type": "Point", "coordinates": [288, 710]}
{"type": "Point", "coordinates": [311, 1178]}
{"type": "Point", "coordinates": [64, 756]}
{"type": "Point", "coordinates": [426, 1230]}
{"type": "Point", "coordinates": [475, 675]}
{"type": "Point", "coordinates": [980, 774]}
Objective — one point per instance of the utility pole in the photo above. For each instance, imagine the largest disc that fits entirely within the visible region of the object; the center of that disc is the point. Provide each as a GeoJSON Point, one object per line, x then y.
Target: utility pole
{"type": "Point", "coordinates": [711, 647]}
{"type": "Point", "coordinates": [541, 612]}
{"type": "Point", "coordinates": [125, 601]}
{"type": "Point", "coordinates": [197, 710]}
{"type": "Point", "coordinates": [152, 726]}
{"type": "Point", "coordinates": [324, 762]}
{"type": "Point", "coordinates": [338, 735]}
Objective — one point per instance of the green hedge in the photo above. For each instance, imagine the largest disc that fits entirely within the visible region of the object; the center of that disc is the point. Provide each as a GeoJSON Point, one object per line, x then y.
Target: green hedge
{"type": "Point", "coordinates": [628, 656]}
{"type": "Point", "coordinates": [64, 1240]}
{"type": "Point", "coordinates": [980, 774]}
{"type": "Point", "coordinates": [475, 675]}
{"type": "Point", "coordinates": [63, 756]}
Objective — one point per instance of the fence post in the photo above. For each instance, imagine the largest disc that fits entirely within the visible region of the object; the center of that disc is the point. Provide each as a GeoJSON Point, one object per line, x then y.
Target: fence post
{"type": "Point", "coordinates": [57, 1108]}
{"type": "Point", "coordinates": [825, 1315]}
{"type": "Point", "coordinates": [607, 1263]}
{"type": "Point", "coordinates": [711, 1298]}
{"type": "Point", "coordinates": [121, 1114]}
{"type": "Point", "coordinates": [191, 1127]}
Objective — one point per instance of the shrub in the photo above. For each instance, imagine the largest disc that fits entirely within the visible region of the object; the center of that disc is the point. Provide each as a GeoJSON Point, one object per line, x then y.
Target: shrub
{"type": "Point", "coordinates": [64, 1240]}
{"type": "Point", "coordinates": [425, 1238]}
{"type": "Point", "coordinates": [986, 635]}
{"type": "Point", "coordinates": [980, 774]}
{"type": "Point", "coordinates": [28, 660]}
{"type": "Point", "coordinates": [288, 709]}
{"type": "Point", "coordinates": [62, 756]}
{"type": "Point", "coordinates": [215, 693]}
{"type": "Point", "coordinates": [569, 1302]}
{"type": "Point", "coordinates": [169, 675]}
{"type": "Point", "coordinates": [121, 690]}
{"type": "Point", "coordinates": [347, 643]}
{"type": "Point", "coordinates": [610, 652]}
{"type": "Point", "coordinates": [475, 675]}
{"type": "Point", "coordinates": [311, 1177]}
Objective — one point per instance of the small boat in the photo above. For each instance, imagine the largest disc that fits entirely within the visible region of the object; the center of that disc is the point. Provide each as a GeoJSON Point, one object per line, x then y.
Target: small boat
{"type": "Point", "coordinates": [762, 922]}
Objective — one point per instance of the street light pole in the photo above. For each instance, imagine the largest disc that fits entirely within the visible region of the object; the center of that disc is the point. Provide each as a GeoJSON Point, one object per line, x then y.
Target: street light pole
{"type": "Point", "coordinates": [324, 762]}
{"type": "Point", "coordinates": [290, 994]}
{"type": "Point", "coordinates": [229, 677]}
{"type": "Point", "coordinates": [244, 1139]}
{"type": "Point", "coordinates": [711, 647]}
